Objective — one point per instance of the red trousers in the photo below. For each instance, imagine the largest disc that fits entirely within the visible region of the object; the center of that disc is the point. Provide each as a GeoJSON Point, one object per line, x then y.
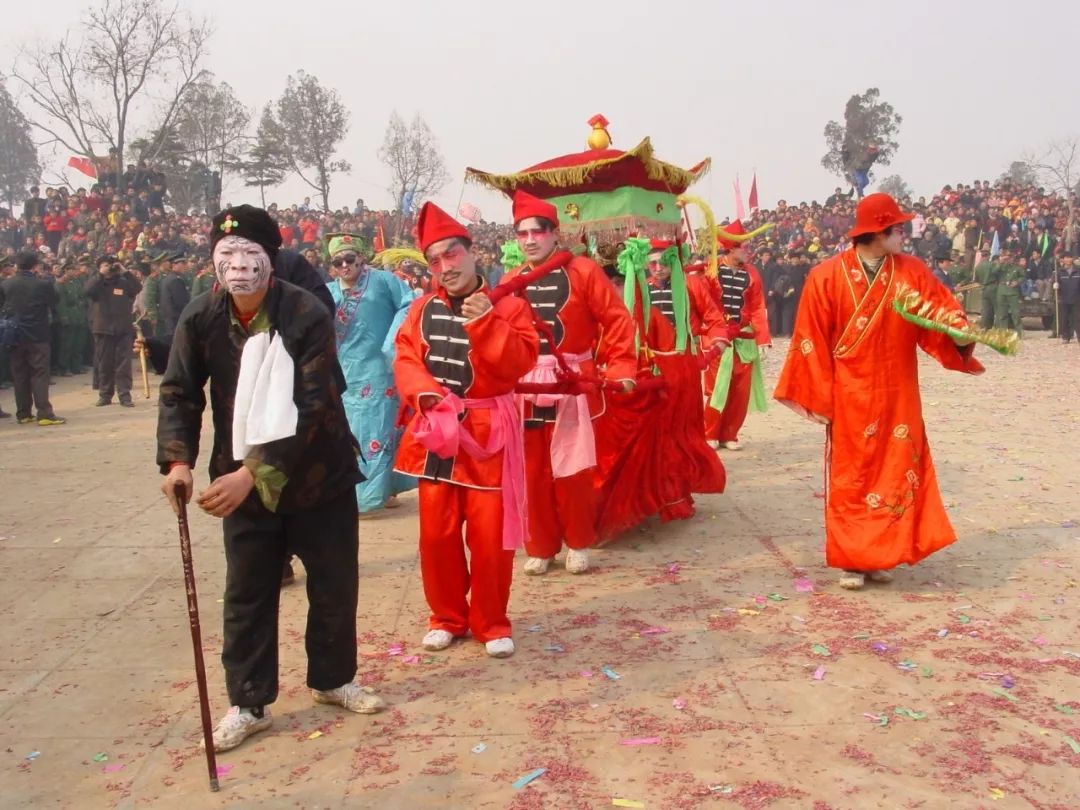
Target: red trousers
{"type": "Point", "coordinates": [725, 426]}
{"type": "Point", "coordinates": [444, 507]}
{"type": "Point", "coordinates": [559, 508]}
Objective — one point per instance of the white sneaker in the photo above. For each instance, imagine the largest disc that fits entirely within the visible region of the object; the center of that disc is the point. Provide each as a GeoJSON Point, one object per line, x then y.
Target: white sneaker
{"type": "Point", "coordinates": [713, 444]}
{"type": "Point", "coordinates": [437, 640]}
{"type": "Point", "coordinates": [537, 566]}
{"type": "Point", "coordinates": [731, 446]}
{"type": "Point", "coordinates": [351, 696]}
{"type": "Point", "coordinates": [880, 576]}
{"type": "Point", "coordinates": [577, 561]}
{"type": "Point", "coordinates": [852, 580]}
{"type": "Point", "coordinates": [236, 726]}
{"type": "Point", "coordinates": [500, 647]}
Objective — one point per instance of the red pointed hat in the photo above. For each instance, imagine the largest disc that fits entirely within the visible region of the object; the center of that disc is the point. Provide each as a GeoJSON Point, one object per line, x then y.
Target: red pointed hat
{"type": "Point", "coordinates": [526, 205]}
{"type": "Point", "coordinates": [877, 212]}
{"type": "Point", "coordinates": [433, 225]}
{"type": "Point", "coordinates": [735, 229]}
{"type": "Point", "coordinates": [660, 244]}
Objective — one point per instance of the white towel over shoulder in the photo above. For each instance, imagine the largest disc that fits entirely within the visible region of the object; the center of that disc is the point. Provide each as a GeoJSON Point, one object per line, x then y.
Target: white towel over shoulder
{"type": "Point", "coordinates": [264, 409]}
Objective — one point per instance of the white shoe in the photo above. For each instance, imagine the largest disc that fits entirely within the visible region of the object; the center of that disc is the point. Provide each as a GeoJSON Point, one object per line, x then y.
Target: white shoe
{"type": "Point", "coordinates": [731, 446]}
{"type": "Point", "coordinates": [351, 696]}
{"type": "Point", "coordinates": [500, 647]}
{"type": "Point", "coordinates": [577, 561]}
{"type": "Point", "coordinates": [436, 640]}
{"type": "Point", "coordinates": [537, 566]}
{"type": "Point", "coordinates": [392, 502]}
{"type": "Point", "coordinates": [713, 444]}
{"type": "Point", "coordinates": [236, 726]}
{"type": "Point", "coordinates": [852, 580]}
{"type": "Point", "coordinates": [880, 576]}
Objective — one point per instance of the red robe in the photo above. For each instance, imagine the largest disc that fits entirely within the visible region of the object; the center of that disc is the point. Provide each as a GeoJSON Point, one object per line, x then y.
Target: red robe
{"type": "Point", "coordinates": [853, 363]}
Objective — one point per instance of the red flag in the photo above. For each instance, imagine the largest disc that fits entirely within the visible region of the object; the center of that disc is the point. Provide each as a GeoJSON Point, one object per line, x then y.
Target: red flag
{"type": "Point", "coordinates": [379, 242]}
{"type": "Point", "coordinates": [753, 195]}
{"type": "Point", "coordinates": [84, 165]}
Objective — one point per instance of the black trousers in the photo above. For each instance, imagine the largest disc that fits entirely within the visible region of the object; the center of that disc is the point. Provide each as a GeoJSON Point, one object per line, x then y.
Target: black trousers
{"type": "Point", "coordinates": [112, 364]}
{"type": "Point", "coordinates": [30, 376]}
{"type": "Point", "coordinates": [1069, 320]}
{"type": "Point", "coordinates": [257, 543]}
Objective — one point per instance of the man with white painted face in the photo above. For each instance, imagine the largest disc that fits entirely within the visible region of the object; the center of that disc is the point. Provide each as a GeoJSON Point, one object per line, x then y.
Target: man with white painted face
{"type": "Point", "coordinates": [283, 468]}
{"type": "Point", "coordinates": [459, 357]}
{"type": "Point", "coordinates": [577, 303]}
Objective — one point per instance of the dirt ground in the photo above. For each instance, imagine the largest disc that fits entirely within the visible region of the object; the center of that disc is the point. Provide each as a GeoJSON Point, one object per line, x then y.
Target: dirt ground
{"type": "Point", "coordinates": [711, 663]}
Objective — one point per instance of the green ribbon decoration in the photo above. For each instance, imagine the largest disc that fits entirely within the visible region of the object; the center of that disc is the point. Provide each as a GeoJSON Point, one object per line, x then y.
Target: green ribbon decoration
{"type": "Point", "coordinates": [512, 255]}
{"type": "Point", "coordinates": [748, 352]}
{"type": "Point", "coordinates": [631, 262]}
{"type": "Point", "coordinates": [673, 258]}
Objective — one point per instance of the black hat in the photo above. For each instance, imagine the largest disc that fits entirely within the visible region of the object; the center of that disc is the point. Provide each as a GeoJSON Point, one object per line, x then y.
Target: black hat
{"type": "Point", "coordinates": [250, 223]}
{"type": "Point", "coordinates": [26, 260]}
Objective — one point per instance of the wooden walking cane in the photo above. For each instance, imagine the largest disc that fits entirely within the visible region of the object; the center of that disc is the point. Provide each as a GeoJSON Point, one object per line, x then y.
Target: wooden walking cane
{"type": "Point", "coordinates": [142, 361]}
{"type": "Point", "coordinates": [196, 634]}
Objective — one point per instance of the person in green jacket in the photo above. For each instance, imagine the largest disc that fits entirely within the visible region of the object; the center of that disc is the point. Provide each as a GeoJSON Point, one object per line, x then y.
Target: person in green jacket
{"type": "Point", "coordinates": [204, 280]}
{"type": "Point", "coordinates": [1007, 306]}
{"type": "Point", "coordinates": [152, 290]}
{"type": "Point", "coordinates": [71, 309]}
{"type": "Point", "coordinates": [986, 273]}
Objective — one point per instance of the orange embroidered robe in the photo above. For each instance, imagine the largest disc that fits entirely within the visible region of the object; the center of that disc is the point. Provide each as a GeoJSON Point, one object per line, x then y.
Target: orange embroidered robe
{"type": "Point", "coordinates": [853, 362]}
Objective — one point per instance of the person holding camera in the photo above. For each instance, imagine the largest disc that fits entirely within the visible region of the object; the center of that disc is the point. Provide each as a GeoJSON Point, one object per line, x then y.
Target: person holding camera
{"type": "Point", "coordinates": [112, 301]}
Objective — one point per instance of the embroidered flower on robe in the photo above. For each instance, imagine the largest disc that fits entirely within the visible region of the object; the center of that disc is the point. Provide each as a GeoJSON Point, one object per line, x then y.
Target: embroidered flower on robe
{"type": "Point", "coordinates": [861, 322]}
{"type": "Point", "coordinates": [374, 446]}
{"type": "Point", "coordinates": [806, 346]}
{"type": "Point", "coordinates": [900, 432]}
{"type": "Point", "coordinates": [873, 500]}
{"type": "Point", "coordinates": [912, 477]}
{"type": "Point", "coordinates": [870, 430]}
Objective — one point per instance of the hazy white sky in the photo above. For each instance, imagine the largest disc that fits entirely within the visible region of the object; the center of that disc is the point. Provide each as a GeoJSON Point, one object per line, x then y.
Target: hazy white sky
{"type": "Point", "coordinates": [504, 85]}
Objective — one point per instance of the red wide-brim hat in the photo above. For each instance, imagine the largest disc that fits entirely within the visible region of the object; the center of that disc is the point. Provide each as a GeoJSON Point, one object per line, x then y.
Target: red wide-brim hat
{"type": "Point", "coordinates": [876, 213]}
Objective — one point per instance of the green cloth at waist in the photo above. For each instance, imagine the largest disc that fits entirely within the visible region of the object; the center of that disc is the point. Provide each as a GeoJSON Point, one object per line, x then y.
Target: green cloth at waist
{"type": "Point", "coordinates": [748, 352]}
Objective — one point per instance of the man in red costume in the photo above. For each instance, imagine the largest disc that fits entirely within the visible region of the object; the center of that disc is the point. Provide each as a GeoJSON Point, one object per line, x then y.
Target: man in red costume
{"type": "Point", "coordinates": [458, 359]}
{"type": "Point", "coordinates": [853, 367]}
{"type": "Point", "coordinates": [707, 322]}
{"type": "Point", "coordinates": [577, 303]}
{"type": "Point", "coordinates": [735, 377]}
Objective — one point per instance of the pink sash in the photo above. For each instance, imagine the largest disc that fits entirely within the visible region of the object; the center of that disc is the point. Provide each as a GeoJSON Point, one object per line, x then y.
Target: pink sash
{"type": "Point", "coordinates": [573, 443]}
{"type": "Point", "coordinates": [440, 431]}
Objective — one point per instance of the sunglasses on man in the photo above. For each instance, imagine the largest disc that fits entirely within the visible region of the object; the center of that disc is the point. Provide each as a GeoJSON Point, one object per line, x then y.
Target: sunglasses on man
{"type": "Point", "coordinates": [344, 260]}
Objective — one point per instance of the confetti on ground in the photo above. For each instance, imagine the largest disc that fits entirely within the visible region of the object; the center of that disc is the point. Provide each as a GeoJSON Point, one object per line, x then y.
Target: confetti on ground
{"type": "Point", "coordinates": [223, 770]}
{"type": "Point", "coordinates": [803, 585]}
{"type": "Point", "coordinates": [776, 597]}
{"type": "Point", "coordinates": [101, 757]}
{"type": "Point", "coordinates": [997, 793]}
{"type": "Point", "coordinates": [721, 789]}
{"type": "Point", "coordinates": [1004, 694]}
{"type": "Point", "coordinates": [881, 719]}
{"type": "Point", "coordinates": [819, 674]}
{"type": "Point", "coordinates": [479, 748]}
{"type": "Point", "coordinates": [820, 649]}
{"type": "Point", "coordinates": [1008, 682]}
{"type": "Point", "coordinates": [314, 735]}
{"type": "Point", "coordinates": [531, 776]}
{"type": "Point", "coordinates": [113, 767]}
{"type": "Point", "coordinates": [902, 712]}
{"type": "Point", "coordinates": [1073, 744]}
{"type": "Point", "coordinates": [944, 631]}
{"type": "Point", "coordinates": [610, 673]}
{"type": "Point", "coordinates": [640, 741]}
{"type": "Point", "coordinates": [964, 619]}
{"type": "Point", "coordinates": [32, 756]}
{"type": "Point", "coordinates": [585, 673]}
{"type": "Point", "coordinates": [679, 704]}
{"type": "Point", "coordinates": [555, 648]}
{"type": "Point", "coordinates": [1064, 709]}
{"type": "Point", "coordinates": [654, 631]}
{"type": "Point", "coordinates": [626, 803]}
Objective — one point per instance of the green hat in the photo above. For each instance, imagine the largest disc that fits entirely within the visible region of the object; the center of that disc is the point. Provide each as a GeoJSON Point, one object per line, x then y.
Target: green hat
{"type": "Point", "coordinates": [348, 242]}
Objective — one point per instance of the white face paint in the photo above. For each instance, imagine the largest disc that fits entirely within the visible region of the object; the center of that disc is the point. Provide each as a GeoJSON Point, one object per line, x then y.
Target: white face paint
{"type": "Point", "coordinates": [242, 266]}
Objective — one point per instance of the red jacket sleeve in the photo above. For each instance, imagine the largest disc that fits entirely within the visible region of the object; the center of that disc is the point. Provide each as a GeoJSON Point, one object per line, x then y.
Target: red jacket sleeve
{"type": "Point", "coordinates": [755, 308]}
{"type": "Point", "coordinates": [410, 372]}
{"type": "Point", "coordinates": [504, 342]}
{"type": "Point", "coordinates": [615, 322]}
{"type": "Point", "coordinates": [709, 318]}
